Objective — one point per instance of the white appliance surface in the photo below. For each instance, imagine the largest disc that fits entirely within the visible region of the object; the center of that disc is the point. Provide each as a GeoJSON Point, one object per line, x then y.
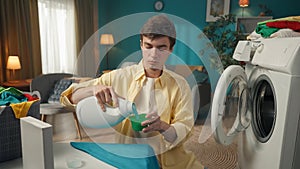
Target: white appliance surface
{"type": "Point", "coordinates": [251, 152]}
{"type": "Point", "coordinates": [279, 54]}
{"type": "Point", "coordinates": [274, 69]}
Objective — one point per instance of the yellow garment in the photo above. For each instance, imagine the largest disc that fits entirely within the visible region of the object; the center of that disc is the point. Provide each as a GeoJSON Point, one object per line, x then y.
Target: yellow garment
{"type": "Point", "coordinates": [21, 109]}
{"type": "Point", "coordinates": [289, 18]}
{"type": "Point", "coordinates": [174, 105]}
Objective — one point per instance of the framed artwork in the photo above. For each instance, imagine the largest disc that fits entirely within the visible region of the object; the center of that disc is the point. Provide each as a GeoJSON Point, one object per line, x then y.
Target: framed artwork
{"type": "Point", "coordinates": [216, 8]}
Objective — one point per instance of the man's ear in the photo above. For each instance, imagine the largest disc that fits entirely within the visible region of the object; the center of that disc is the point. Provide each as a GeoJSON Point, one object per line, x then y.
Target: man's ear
{"type": "Point", "coordinates": [141, 43]}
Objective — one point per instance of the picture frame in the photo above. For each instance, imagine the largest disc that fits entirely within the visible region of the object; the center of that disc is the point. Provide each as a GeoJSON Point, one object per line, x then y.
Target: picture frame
{"type": "Point", "coordinates": [218, 7]}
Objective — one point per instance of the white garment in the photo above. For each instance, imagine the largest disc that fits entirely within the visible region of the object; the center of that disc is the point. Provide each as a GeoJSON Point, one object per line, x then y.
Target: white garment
{"type": "Point", "coordinates": [145, 100]}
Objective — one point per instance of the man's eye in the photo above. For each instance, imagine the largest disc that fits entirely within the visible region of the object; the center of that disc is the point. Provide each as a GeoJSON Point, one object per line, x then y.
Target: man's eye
{"type": "Point", "coordinates": [162, 48]}
{"type": "Point", "coordinates": [148, 47]}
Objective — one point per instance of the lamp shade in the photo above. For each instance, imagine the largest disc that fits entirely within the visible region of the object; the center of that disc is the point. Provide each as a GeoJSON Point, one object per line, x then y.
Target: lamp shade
{"type": "Point", "coordinates": [107, 39]}
{"type": "Point", "coordinates": [13, 62]}
{"type": "Point", "coordinates": [243, 3]}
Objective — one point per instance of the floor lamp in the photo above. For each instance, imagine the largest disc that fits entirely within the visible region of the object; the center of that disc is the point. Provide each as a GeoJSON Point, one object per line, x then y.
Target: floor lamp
{"type": "Point", "coordinates": [106, 39]}
{"type": "Point", "coordinates": [243, 4]}
{"type": "Point", "coordinates": [13, 63]}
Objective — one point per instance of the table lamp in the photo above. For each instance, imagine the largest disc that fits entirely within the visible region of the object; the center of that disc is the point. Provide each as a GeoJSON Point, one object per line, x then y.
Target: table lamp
{"type": "Point", "coordinates": [243, 4]}
{"type": "Point", "coordinates": [13, 63]}
{"type": "Point", "coordinates": [107, 39]}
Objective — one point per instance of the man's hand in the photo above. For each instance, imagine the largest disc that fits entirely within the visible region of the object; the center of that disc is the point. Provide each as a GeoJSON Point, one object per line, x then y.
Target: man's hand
{"type": "Point", "coordinates": [155, 124]}
{"type": "Point", "coordinates": [105, 95]}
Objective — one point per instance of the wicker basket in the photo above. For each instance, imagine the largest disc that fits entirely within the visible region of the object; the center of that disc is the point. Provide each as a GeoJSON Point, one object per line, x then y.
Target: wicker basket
{"type": "Point", "coordinates": [10, 132]}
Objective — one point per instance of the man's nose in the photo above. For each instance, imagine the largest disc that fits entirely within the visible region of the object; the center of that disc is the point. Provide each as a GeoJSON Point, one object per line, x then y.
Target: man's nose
{"type": "Point", "coordinates": [154, 52]}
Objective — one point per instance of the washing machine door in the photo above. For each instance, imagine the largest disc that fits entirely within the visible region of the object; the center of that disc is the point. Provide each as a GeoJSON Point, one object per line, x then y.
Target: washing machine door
{"type": "Point", "coordinates": [231, 105]}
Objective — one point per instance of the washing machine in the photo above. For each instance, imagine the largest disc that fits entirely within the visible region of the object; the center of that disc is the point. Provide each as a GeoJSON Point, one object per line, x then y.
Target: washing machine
{"type": "Point", "coordinates": [257, 106]}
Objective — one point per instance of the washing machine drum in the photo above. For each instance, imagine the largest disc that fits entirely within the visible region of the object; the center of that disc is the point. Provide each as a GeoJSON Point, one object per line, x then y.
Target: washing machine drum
{"type": "Point", "coordinates": [235, 106]}
{"type": "Point", "coordinates": [264, 108]}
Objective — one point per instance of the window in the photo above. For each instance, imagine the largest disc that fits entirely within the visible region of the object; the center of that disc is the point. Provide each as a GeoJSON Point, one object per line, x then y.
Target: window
{"type": "Point", "coordinates": [57, 33]}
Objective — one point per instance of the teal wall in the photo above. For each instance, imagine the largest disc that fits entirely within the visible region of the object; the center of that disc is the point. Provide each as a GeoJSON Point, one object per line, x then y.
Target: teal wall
{"type": "Point", "coordinates": [193, 11]}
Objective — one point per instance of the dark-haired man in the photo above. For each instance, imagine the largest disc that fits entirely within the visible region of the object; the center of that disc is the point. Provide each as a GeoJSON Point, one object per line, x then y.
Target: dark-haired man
{"type": "Point", "coordinates": [160, 93]}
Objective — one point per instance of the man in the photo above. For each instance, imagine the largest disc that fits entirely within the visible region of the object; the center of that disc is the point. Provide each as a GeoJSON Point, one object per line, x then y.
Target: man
{"type": "Point", "coordinates": [163, 95]}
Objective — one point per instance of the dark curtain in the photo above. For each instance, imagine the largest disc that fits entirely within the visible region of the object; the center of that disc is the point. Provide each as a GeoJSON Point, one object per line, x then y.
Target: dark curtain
{"type": "Point", "coordinates": [87, 20]}
{"type": "Point", "coordinates": [19, 35]}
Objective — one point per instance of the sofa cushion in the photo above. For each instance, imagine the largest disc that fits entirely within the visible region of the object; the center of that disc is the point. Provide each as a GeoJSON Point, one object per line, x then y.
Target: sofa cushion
{"type": "Point", "coordinates": [59, 87]}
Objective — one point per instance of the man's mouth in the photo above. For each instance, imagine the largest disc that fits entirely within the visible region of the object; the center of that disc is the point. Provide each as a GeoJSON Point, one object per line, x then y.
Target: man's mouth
{"type": "Point", "coordinates": [153, 62]}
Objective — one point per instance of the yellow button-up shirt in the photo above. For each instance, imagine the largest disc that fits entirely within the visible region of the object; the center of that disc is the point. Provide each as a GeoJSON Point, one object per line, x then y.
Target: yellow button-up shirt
{"type": "Point", "coordinates": [174, 105]}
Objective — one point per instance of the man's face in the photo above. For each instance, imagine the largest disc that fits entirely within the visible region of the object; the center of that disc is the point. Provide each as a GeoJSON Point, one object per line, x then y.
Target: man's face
{"type": "Point", "coordinates": [155, 52]}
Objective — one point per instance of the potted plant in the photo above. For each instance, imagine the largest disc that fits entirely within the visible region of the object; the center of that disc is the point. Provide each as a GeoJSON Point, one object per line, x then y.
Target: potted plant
{"type": "Point", "coordinates": [223, 37]}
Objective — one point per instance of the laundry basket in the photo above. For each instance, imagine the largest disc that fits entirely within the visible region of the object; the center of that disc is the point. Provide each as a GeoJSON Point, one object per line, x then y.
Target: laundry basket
{"type": "Point", "coordinates": [10, 132]}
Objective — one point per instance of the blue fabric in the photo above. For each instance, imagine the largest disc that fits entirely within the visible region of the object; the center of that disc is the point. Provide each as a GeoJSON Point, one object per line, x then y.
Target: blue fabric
{"type": "Point", "coordinates": [11, 95]}
{"type": "Point", "coordinates": [59, 87]}
{"type": "Point", "coordinates": [122, 156]}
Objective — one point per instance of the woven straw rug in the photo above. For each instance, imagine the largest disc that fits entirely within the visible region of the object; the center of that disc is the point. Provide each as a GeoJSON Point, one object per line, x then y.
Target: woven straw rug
{"type": "Point", "coordinates": [211, 154]}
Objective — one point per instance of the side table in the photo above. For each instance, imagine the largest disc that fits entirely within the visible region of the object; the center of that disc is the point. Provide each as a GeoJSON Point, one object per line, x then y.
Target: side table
{"type": "Point", "coordinates": [23, 85]}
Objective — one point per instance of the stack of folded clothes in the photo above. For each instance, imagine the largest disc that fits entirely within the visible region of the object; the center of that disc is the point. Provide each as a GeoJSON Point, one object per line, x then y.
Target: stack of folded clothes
{"type": "Point", "coordinates": [281, 27]}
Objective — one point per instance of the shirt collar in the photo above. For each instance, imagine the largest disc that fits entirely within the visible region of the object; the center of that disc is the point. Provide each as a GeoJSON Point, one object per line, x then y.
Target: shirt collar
{"type": "Point", "coordinates": [140, 74]}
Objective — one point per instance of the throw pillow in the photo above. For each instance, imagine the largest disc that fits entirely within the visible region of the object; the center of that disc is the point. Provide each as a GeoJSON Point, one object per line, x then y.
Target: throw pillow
{"type": "Point", "coordinates": [59, 87]}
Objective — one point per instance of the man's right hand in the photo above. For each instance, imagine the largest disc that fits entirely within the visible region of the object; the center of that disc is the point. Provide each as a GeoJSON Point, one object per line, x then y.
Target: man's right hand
{"type": "Point", "coordinates": [105, 95]}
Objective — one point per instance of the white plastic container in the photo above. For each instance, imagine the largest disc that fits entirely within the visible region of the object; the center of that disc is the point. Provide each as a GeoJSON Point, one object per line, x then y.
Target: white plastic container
{"type": "Point", "coordinates": [90, 114]}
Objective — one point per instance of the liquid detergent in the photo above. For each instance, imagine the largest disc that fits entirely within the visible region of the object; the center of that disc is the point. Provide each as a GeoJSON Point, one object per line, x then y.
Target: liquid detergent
{"type": "Point", "coordinates": [90, 114]}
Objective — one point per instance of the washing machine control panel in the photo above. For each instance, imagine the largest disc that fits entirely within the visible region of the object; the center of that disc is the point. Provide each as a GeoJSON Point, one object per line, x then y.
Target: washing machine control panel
{"type": "Point", "coordinates": [281, 54]}
{"type": "Point", "coordinates": [244, 50]}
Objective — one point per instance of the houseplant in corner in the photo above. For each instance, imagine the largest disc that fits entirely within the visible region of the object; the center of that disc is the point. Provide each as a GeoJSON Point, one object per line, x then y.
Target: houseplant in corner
{"type": "Point", "coordinates": [223, 37]}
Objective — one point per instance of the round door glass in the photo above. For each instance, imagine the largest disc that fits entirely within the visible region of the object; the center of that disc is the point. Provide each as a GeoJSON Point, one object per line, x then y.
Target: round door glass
{"type": "Point", "coordinates": [230, 113]}
{"type": "Point", "coordinates": [231, 102]}
{"type": "Point", "coordinates": [245, 108]}
{"type": "Point", "coordinates": [236, 112]}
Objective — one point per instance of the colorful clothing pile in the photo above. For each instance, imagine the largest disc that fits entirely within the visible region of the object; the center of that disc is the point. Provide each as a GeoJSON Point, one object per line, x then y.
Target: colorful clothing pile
{"type": "Point", "coordinates": [20, 102]}
{"type": "Point", "coordinates": [268, 28]}
{"type": "Point", "coordinates": [11, 95]}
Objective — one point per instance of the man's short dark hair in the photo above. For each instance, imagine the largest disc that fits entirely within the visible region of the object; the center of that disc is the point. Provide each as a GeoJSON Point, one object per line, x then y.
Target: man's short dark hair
{"type": "Point", "coordinates": [159, 26]}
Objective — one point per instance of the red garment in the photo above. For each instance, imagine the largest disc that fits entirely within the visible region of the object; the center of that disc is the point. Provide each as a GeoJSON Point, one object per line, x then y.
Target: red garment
{"type": "Point", "coordinates": [29, 97]}
{"type": "Point", "coordinates": [294, 25]}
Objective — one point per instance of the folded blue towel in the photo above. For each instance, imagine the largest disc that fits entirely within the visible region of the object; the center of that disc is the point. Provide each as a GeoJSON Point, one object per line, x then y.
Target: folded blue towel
{"type": "Point", "coordinates": [122, 156]}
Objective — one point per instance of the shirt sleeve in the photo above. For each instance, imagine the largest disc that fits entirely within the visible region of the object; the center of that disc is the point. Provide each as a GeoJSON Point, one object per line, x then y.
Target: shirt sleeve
{"type": "Point", "coordinates": [105, 79]}
{"type": "Point", "coordinates": [183, 116]}
{"type": "Point", "coordinates": [67, 94]}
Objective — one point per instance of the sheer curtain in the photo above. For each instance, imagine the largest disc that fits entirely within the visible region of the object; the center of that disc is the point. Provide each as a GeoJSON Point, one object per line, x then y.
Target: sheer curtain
{"type": "Point", "coordinates": [57, 33]}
